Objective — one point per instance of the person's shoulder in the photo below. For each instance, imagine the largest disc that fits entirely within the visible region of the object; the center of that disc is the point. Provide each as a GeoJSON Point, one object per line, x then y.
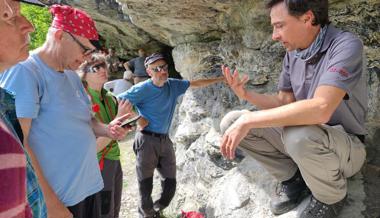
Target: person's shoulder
{"type": "Point", "coordinates": [27, 65]}
{"type": "Point", "coordinates": [147, 84]}
{"type": "Point", "coordinates": [73, 76]}
{"type": "Point", "coordinates": [34, 64]}
{"type": "Point", "coordinates": [16, 69]}
{"type": "Point", "coordinates": [178, 82]}
{"type": "Point", "coordinates": [133, 60]}
{"type": "Point", "coordinates": [335, 32]}
{"type": "Point", "coordinates": [22, 69]}
{"type": "Point", "coordinates": [345, 38]}
{"type": "Point", "coordinates": [175, 80]}
{"type": "Point", "coordinates": [136, 91]}
{"type": "Point", "coordinates": [142, 86]}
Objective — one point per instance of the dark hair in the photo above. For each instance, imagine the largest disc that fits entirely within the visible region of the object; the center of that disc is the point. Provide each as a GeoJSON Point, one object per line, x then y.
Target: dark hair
{"type": "Point", "coordinates": [296, 8]}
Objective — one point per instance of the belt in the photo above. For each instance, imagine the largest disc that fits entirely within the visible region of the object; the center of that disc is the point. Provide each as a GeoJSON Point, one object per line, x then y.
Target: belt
{"type": "Point", "coordinates": [158, 135]}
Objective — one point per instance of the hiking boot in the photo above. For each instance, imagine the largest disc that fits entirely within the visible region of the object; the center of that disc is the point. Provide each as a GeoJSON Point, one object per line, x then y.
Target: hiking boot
{"type": "Point", "coordinates": [157, 214]}
{"type": "Point", "coordinates": [289, 194]}
{"type": "Point", "coordinates": [317, 209]}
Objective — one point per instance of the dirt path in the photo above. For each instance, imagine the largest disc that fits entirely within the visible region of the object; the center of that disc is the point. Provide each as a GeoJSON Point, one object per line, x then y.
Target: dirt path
{"type": "Point", "coordinates": [130, 191]}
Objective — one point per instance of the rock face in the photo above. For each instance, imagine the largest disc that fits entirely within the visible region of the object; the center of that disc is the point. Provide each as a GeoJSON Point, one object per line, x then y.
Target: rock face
{"type": "Point", "coordinates": [206, 33]}
{"type": "Point", "coordinates": [116, 28]}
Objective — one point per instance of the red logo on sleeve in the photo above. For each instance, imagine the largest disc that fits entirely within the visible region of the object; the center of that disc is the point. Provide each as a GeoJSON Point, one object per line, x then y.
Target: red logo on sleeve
{"type": "Point", "coordinates": [343, 72]}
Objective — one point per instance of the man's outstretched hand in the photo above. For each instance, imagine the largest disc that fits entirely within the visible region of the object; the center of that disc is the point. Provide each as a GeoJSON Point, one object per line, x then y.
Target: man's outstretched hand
{"type": "Point", "coordinates": [234, 81]}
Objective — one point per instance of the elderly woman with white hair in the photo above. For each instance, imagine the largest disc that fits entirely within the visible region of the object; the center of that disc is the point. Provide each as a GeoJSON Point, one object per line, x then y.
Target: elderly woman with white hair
{"type": "Point", "coordinates": [94, 73]}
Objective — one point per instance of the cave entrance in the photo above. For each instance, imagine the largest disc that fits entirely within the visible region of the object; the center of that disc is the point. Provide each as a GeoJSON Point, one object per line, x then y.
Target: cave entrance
{"type": "Point", "coordinates": [167, 52]}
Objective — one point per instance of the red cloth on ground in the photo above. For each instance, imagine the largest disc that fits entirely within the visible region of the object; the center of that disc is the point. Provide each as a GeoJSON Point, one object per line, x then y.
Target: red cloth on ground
{"type": "Point", "coordinates": [192, 214]}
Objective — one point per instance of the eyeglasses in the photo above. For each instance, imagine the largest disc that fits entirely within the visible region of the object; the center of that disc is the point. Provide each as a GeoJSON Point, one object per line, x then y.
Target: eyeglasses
{"type": "Point", "coordinates": [96, 67]}
{"type": "Point", "coordinates": [86, 51]}
{"type": "Point", "coordinates": [160, 68]}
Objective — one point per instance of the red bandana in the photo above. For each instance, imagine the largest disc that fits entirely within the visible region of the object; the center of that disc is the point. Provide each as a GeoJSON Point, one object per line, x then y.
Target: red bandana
{"type": "Point", "coordinates": [74, 21]}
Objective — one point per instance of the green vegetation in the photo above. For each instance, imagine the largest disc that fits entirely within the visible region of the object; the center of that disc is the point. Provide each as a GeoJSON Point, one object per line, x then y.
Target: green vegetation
{"type": "Point", "coordinates": [40, 17]}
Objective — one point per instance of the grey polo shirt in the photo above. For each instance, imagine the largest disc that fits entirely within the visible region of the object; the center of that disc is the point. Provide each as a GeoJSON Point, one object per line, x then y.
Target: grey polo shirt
{"type": "Point", "coordinates": [339, 63]}
{"type": "Point", "coordinates": [138, 68]}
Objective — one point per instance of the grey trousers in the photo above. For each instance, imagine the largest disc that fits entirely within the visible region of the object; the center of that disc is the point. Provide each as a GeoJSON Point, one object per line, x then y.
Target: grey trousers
{"type": "Point", "coordinates": [110, 196]}
{"type": "Point", "coordinates": [325, 155]}
{"type": "Point", "coordinates": [154, 152]}
{"type": "Point", "coordinates": [89, 207]}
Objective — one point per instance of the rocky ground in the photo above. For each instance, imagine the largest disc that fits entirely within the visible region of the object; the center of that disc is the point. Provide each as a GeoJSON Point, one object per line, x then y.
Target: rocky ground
{"type": "Point", "coordinates": [130, 191]}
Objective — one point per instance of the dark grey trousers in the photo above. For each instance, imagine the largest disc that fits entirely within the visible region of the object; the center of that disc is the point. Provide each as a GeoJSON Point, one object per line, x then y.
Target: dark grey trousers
{"type": "Point", "coordinates": [154, 152]}
{"type": "Point", "coordinates": [110, 196]}
{"type": "Point", "coordinates": [89, 207]}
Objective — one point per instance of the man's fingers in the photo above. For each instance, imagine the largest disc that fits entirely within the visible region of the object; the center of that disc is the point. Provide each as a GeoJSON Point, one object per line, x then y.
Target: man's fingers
{"type": "Point", "coordinates": [124, 117]}
{"type": "Point", "coordinates": [223, 145]}
{"type": "Point", "coordinates": [235, 75]}
{"type": "Point", "coordinates": [235, 78]}
{"type": "Point", "coordinates": [121, 102]}
{"type": "Point", "coordinates": [244, 80]}
{"type": "Point", "coordinates": [124, 103]}
{"type": "Point", "coordinates": [231, 149]}
{"type": "Point", "coordinates": [118, 132]}
{"type": "Point", "coordinates": [227, 74]}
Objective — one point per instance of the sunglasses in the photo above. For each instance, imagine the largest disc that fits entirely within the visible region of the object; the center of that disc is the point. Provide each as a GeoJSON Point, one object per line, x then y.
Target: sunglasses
{"type": "Point", "coordinates": [86, 51]}
{"type": "Point", "coordinates": [157, 69]}
{"type": "Point", "coordinates": [96, 67]}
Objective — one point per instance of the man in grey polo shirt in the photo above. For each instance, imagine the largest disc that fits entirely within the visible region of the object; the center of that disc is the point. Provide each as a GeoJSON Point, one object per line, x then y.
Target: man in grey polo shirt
{"type": "Point", "coordinates": [136, 65]}
{"type": "Point", "coordinates": [310, 135]}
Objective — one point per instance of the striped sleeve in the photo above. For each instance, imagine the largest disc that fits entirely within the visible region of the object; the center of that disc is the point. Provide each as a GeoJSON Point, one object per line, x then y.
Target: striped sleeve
{"type": "Point", "coordinates": [13, 200]}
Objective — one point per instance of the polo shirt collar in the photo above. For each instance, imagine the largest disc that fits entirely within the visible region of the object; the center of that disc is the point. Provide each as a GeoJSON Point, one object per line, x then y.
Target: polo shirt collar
{"type": "Point", "coordinates": [330, 36]}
